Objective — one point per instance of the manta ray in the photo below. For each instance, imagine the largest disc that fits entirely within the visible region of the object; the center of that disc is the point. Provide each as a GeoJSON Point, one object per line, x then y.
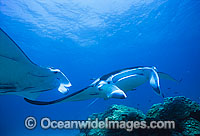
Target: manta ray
{"type": "Point", "coordinates": [115, 85]}
{"type": "Point", "coordinates": [20, 76]}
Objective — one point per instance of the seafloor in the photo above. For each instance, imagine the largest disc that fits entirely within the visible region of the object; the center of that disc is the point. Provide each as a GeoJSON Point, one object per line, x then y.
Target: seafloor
{"type": "Point", "coordinates": [183, 111]}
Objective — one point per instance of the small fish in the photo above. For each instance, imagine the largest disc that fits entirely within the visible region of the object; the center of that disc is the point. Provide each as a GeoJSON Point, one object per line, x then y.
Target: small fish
{"type": "Point", "coordinates": [175, 92]}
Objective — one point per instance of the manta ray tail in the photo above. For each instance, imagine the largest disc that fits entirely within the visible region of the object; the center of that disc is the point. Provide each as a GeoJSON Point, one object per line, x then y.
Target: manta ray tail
{"type": "Point", "coordinates": [34, 102]}
{"type": "Point", "coordinates": [92, 102]}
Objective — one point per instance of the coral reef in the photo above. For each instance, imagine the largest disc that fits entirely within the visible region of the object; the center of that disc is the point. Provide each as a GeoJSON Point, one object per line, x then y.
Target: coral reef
{"type": "Point", "coordinates": [183, 111]}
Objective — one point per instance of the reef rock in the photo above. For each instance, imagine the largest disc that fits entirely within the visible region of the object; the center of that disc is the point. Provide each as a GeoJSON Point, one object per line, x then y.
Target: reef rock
{"type": "Point", "coordinates": [183, 111]}
{"type": "Point", "coordinates": [173, 108]}
{"type": "Point", "coordinates": [114, 113]}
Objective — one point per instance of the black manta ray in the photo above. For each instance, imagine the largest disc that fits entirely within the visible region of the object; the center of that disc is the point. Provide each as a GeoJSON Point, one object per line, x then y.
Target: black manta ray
{"type": "Point", "coordinates": [20, 76]}
{"type": "Point", "coordinates": [115, 85]}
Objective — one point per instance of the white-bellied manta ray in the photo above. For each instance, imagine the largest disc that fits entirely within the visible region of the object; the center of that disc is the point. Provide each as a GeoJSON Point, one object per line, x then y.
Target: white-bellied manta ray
{"type": "Point", "coordinates": [20, 76]}
{"type": "Point", "coordinates": [115, 85]}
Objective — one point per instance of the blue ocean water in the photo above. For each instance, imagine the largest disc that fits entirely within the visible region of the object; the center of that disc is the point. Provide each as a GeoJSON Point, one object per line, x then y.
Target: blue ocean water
{"type": "Point", "coordinates": [87, 39]}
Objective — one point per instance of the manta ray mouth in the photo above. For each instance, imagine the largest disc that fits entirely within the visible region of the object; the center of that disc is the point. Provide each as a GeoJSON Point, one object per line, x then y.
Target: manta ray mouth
{"type": "Point", "coordinates": [64, 88]}
{"type": "Point", "coordinates": [119, 94]}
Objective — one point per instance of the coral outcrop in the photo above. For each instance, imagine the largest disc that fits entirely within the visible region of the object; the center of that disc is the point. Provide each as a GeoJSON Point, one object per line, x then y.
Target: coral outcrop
{"type": "Point", "coordinates": [183, 111]}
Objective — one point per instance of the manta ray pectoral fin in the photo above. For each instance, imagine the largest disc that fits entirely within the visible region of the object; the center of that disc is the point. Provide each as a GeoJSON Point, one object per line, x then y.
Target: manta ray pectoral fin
{"type": "Point", "coordinates": [10, 50]}
{"type": "Point", "coordinates": [154, 82]}
{"type": "Point", "coordinates": [166, 76]}
{"type": "Point", "coordinates": [30, 95]}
